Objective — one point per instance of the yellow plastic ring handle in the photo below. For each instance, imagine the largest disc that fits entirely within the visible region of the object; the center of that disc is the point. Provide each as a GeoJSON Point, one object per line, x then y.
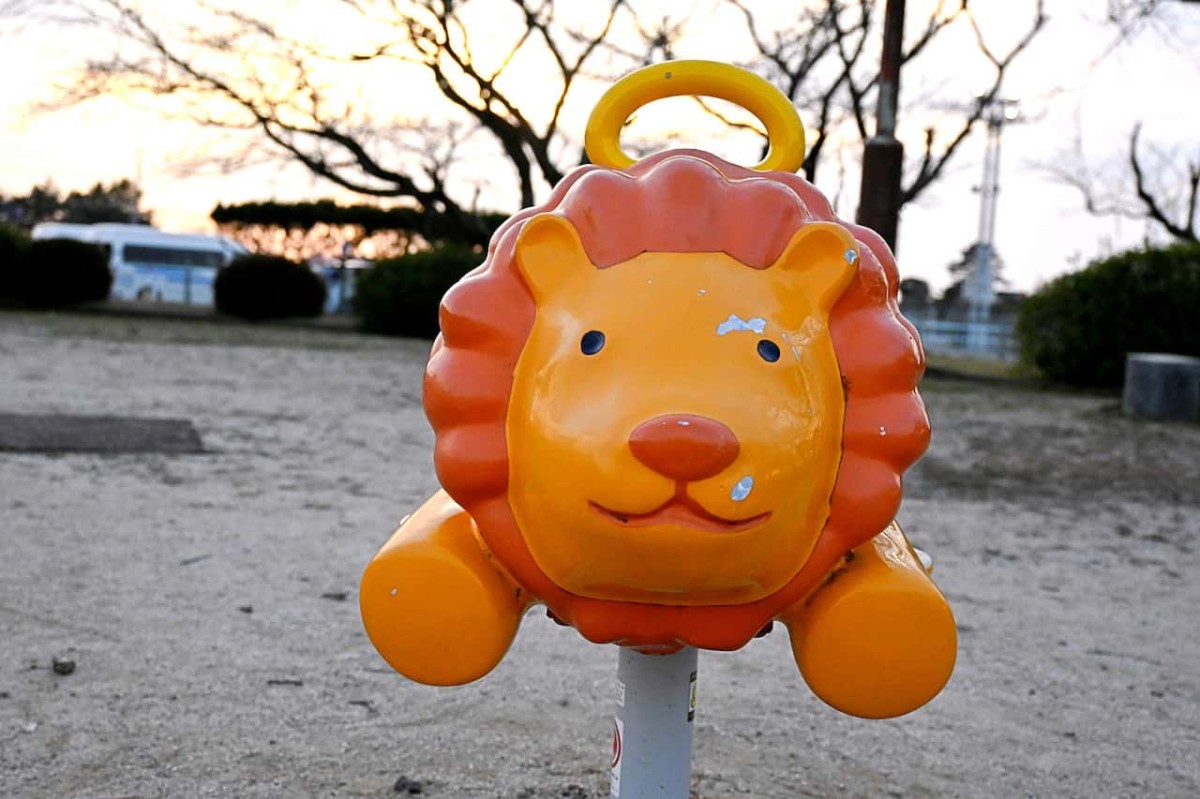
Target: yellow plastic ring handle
{"type": "Point", "coordinates": [785, 133]}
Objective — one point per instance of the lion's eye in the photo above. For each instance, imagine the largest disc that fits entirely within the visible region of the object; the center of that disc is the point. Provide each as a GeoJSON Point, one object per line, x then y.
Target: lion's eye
{"type": "Point", "coordinates": [592, 342]}
{"type": "Point", "coordinates": [768, 350]}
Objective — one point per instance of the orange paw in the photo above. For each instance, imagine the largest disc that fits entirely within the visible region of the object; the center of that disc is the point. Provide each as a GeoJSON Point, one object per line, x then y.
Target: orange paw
{"type": "Point", "coordinates": [434, 605]}
{"type": "Point", "coordinates": [878, 640]}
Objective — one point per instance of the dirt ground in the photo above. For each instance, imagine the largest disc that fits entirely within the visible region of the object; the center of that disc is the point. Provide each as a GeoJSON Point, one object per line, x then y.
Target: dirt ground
{"type": "Point", "coordinates": [208, 601]}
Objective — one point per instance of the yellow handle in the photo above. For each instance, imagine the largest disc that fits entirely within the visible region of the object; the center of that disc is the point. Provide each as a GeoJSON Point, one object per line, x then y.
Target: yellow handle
{"type": "Point", "coordinates": [785, 133]}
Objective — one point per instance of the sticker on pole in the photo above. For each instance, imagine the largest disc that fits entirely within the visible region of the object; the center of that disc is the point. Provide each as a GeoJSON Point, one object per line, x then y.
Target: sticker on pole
{"type": "Point", "coordinates": [617, 746]}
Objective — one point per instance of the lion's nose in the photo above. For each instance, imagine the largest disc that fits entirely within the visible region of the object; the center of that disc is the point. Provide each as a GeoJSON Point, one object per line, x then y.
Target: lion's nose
{"type": "Point", "coordinates": [684, 447]}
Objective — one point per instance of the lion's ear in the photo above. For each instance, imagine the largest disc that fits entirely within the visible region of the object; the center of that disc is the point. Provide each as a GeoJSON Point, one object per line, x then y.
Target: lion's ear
{"type": "Point", "coordinates": [825, 256]}
{"type": "Point", "coordinates": [548, 251]}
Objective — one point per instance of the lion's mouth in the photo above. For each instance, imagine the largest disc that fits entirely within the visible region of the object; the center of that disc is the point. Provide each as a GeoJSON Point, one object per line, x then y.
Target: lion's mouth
{"type": "Point", "coordinates": [681, 510]}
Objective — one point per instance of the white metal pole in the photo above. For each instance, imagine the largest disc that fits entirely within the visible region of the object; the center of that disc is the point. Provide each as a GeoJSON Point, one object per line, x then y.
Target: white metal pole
{"type": "Point", "coordinates": [652, 733]}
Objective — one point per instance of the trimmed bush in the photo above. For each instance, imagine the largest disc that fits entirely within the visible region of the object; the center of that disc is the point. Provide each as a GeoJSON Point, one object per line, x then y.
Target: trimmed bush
{"type": "Point", "coordinates": [268, 287]}
{"type": "Point", "coordinates": [55, 273]}
{"type": "Point", "coordinates": [1078, 328]}
{"type": "Point", "coordinates": [400, 296]}
{"type": "Point", "coordinates": [13, 243]}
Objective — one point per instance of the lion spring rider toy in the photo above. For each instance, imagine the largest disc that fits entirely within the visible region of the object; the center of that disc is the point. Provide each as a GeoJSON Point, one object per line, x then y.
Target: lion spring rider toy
{"type": "Point", "coordinates": [673, 406]}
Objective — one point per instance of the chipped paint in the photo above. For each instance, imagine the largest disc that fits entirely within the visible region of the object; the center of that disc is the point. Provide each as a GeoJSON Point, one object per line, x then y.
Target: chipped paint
{"type": "Point", "coordinates": [702, 292]}
{"type": "Point", "coordinates": [851, 256]}
{"type": "Point", "coordinates": [736, 324]}
{"type": "Point", "coordinates": [797, 340]}
{"type": "Point", "coordinates": [742, 489]}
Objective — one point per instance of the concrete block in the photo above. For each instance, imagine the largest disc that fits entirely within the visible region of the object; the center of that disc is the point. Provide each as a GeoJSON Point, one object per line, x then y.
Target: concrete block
{"type": "Point", "coordinates": [1162, 386]}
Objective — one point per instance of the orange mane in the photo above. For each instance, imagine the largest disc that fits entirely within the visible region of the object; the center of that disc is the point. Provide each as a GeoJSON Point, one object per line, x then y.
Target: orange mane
{"type": "Point", "coordinates": [486, 320]}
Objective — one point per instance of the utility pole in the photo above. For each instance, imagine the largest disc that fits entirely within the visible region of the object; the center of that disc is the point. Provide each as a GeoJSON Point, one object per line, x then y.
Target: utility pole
{"type": "Point", "coordinates": [883, 156]}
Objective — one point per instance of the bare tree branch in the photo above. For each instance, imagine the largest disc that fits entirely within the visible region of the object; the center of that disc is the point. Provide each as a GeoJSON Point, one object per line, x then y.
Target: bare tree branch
{"type": "Point", "coordinates": [1130, 16]}
{"type": "Point", "coordinates": [821, 63]}
{"type": "Point", "coordinates": [1167, 192]}
{"type": "Point", "coordinates": [797, 55]}
{"type": "Point", "coordinates": [849, 57]}
{"type": "Point", "coordinates": [278, 94]}
{"type": "Point", "coordinates": [932, 165]}
{"type": "Point", "coordinates": [1185, 230]}
{"type": "Point", "coordinates": [233, 68]}
{"type": "Point", "coordinates": [15, 8]}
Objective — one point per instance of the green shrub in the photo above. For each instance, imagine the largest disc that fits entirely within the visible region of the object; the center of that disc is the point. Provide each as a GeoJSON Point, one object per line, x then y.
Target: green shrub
{"type": "Point", "coordinates": [268, 287]}
{"type": "Point", "coordinates": [400, 296]}
{"type": "Point", "coordinates": [54, 273]}
{"type": "Point", "coordinates": [13, 243]}
{"type": "Point", "coordinates": [1078, 328]}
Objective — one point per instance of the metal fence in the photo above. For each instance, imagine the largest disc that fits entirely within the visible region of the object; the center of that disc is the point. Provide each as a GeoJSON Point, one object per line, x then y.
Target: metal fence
{"type": "Point", "coordinates": [995, 340]}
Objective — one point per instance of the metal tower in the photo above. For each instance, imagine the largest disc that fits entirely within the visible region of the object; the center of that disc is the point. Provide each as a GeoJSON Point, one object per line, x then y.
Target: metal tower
{"type": "Point", "coordinates": [978, 289]}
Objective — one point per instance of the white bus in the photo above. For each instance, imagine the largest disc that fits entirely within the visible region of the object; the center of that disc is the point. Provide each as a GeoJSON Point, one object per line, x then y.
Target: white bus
{"type": "Point", "coordinates": [148, 264]}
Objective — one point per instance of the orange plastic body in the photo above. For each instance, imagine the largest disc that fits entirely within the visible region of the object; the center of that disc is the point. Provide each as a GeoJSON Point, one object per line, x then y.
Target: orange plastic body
{"type": "Point", "coordinates": [673, 405]}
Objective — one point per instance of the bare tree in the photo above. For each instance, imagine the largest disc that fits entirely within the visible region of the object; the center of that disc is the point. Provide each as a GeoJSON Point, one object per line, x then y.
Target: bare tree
{"type": "Point", "coordinates": [225, 67]}
{"type": "Point", "coordinates": [822, 63]}
{"type": "Point", "coordinates": [1129, 17]}
{"type": "Point", "coordinates": [15, 8]}
{"type": "Point", "coordinates": [1157, 205]}
{"type": "Point", "coordinates": [283, 94]}
{"type": "Point", "coordinates": [1157, 185]}
{"type": "Point", "coordinates": [1149, 183]}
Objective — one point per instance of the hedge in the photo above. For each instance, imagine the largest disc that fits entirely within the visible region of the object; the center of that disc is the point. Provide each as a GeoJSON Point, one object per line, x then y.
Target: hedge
{"type": "Point", "coordinates": [55, 273]}
{"type": "Point", "coordinates": [268, 287]}
{"type": "Point", "coordinates": [1078, 328]}
{"type": "Point", "coordinates": [13, 243]}
{"type": "Point", "coordinates": [433, 226]}
{"type": "Point", "coordinates": [401, 296]}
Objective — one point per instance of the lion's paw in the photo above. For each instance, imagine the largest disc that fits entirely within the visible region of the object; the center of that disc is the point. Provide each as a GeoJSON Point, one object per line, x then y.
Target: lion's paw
{"type": "Point", "coordinates": [879, 639]}
{"type": "Point", "coordinates": [434, 605]}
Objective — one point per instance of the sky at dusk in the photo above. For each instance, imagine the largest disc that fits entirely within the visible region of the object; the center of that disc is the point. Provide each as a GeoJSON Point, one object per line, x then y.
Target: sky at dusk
{"type": "Point", "coordinates": [1071, 86]}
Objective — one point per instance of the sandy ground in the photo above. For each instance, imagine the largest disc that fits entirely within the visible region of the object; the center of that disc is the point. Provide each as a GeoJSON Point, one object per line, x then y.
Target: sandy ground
{"type": "Point", "coordinates": [208, 601]}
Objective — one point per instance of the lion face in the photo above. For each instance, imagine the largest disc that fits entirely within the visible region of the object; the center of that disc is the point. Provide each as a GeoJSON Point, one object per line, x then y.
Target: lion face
{"type": "Point", "coordinates": [675, 422]}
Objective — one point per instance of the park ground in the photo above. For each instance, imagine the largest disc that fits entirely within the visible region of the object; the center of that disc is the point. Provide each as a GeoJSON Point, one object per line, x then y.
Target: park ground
{"type": "Point", "coordinates": [207, 602]}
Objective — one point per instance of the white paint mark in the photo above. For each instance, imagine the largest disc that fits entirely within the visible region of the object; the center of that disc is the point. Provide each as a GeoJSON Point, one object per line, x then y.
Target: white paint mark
{"type": "Point", "coordinates": [394, 591]}
{"type": "Point", "coordinates": [882, 430]}
{"type": "Point", "coordinates": [702, 292]}
{"type": "Point", "coordinates": [851, 256]}
{"type": "Point", "coordinates": [683, 422]}
{"type": "Point", "coordinates": [735, 323]}
{"type": "Point", "coordinates": [742, 489]}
